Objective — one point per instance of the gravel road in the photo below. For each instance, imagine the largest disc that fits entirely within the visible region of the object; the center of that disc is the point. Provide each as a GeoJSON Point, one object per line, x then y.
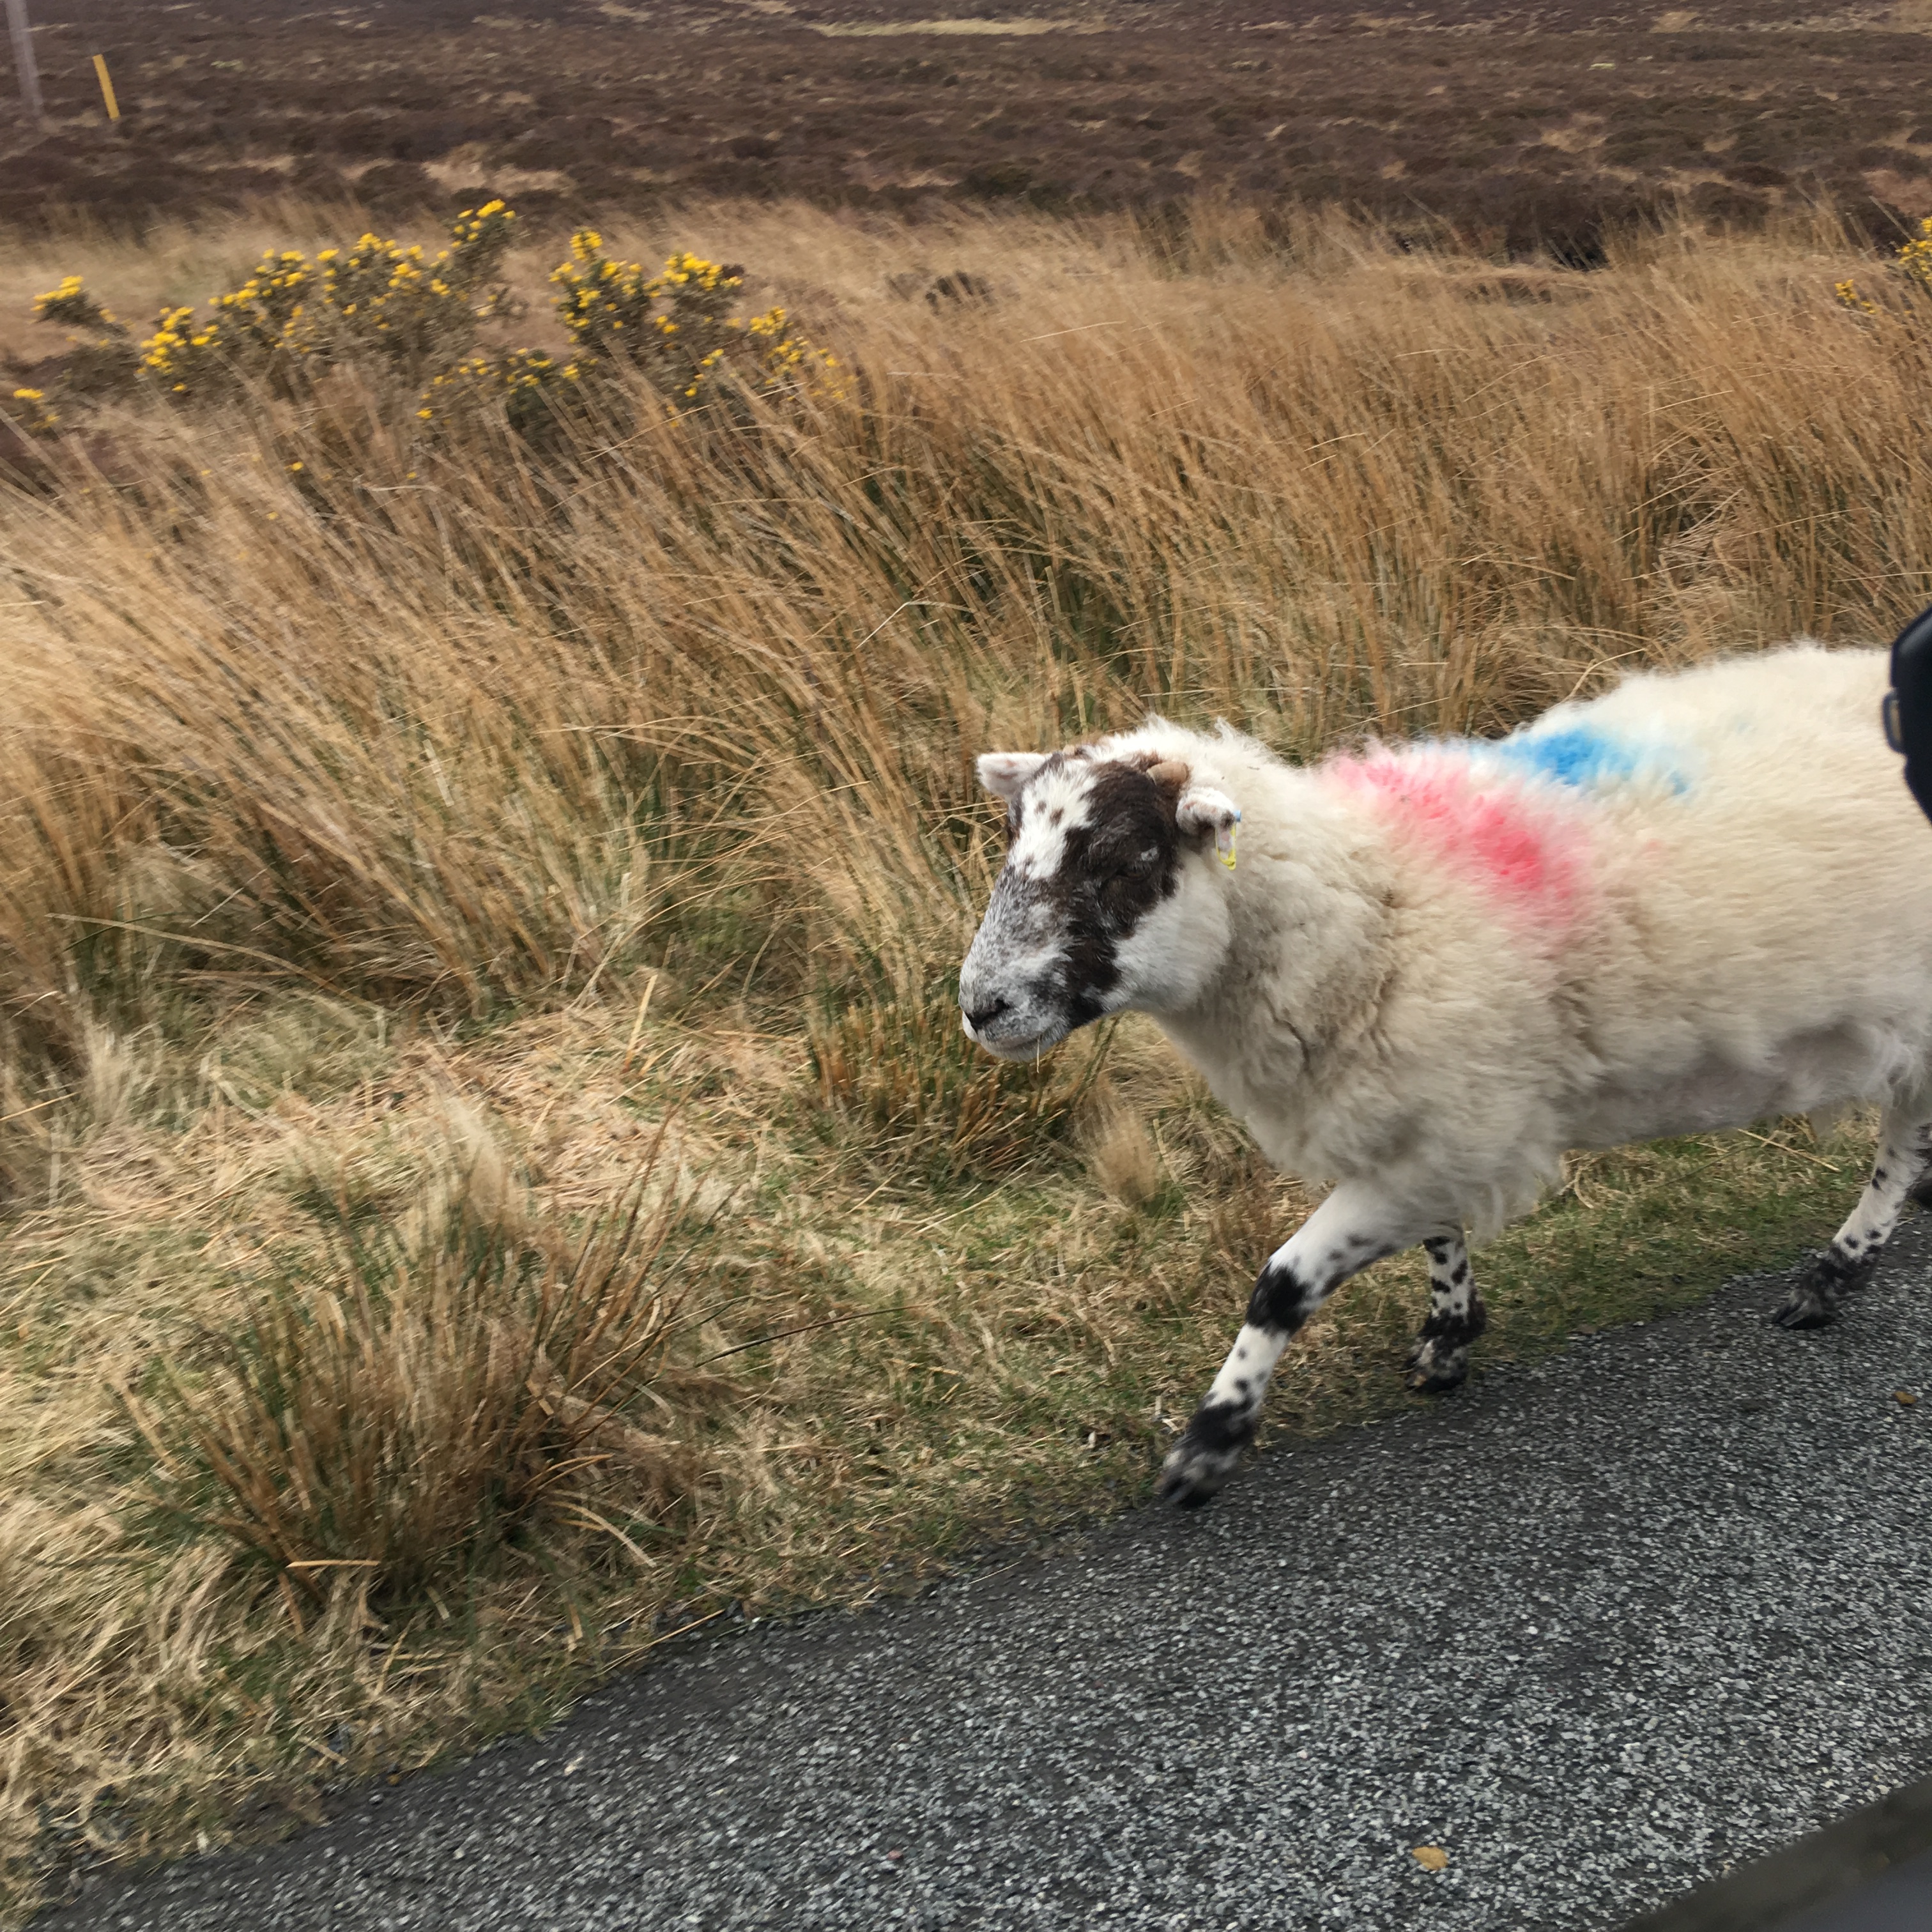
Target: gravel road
{"type": "Point", "coordinates": [1595, 1629]}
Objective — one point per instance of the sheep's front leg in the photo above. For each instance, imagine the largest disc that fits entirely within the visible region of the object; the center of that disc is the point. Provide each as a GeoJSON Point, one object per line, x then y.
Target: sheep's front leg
{"type": "Point", "coordinates": [1355, 1225]}
{"type": "Point", "coordinates": [1904, 1151]}
{"type": "Point", "coordinates": [1440, 1360]}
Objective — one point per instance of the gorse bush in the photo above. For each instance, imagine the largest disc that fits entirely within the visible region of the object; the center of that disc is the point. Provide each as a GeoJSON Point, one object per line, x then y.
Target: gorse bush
{"type": "Point", "coordinates": [100, 359]}
{"type": "Point", "coordinates": [1910, 281]}
{"type": "Point", "coordinates": [376, 301]}
{"type": "Point", "coordinates": [674, 329]}
{"type": "Point", "coordinates": [416, 319]}
{"type": "Point", "coordinates": [30, 414]}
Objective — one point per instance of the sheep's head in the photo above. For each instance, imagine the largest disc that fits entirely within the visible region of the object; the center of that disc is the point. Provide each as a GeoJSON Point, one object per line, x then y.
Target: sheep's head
{"type": "Point", "coordinates": [1108, 900]}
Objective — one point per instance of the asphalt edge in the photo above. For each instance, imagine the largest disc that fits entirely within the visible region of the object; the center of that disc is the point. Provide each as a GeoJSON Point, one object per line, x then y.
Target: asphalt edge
{"type": "Point", "coordinates": [1820, 1870]}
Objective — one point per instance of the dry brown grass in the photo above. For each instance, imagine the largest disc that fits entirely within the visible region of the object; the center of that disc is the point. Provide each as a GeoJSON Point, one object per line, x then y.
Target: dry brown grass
{"type": "Point", "coordinates": [435, 1386]}
{"type": "Point", "coordinates": [431, 798]}
{"type": "Point", "coordinates": [920, 1092]}
{"type": "Point", "coordinates": [1122, 1159]}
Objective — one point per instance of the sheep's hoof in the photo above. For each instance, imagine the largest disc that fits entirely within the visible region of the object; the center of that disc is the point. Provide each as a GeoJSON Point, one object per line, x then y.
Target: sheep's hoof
{"type": "Point", "coordinates": [1440, 1360]}
{"type": "Point", "coordinates": [1435, 1370]}
{"type": "Point", "coordinates": [1198, 1466]}
{"type": "Point", "coordinates": [1191, 1477]}
{"type": "Point", "coordinates": [1814, 1297]}
{"type": "Point", "coordinates": [1804, 1307]}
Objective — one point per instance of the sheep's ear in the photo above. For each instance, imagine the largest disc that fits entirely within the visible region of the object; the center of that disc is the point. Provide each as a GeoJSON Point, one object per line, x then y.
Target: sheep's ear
{"type": "Point", "coordinates": [1006, 774]}
{"type": "Point", "coordinates": [1201, 810]}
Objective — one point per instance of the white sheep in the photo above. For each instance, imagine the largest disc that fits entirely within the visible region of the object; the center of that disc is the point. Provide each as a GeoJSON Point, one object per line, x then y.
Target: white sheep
{"type": "Point", "coordinates": [1422, 974]}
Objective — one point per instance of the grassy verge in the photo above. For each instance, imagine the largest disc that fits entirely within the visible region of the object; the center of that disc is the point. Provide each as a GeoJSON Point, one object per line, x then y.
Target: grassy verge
{"type": "Point", "coordinates": [872, 1375]}
{"type": "Point", "coordinates": [490, 1175]}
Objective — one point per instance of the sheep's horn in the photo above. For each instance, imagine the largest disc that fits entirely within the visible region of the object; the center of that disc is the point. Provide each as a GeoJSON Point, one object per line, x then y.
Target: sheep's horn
{"type": "Point", "coordinates": [1170, 774]}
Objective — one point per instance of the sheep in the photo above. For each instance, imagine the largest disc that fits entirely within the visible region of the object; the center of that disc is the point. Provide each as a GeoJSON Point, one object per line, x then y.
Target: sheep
{"type": "Point", "coordinates": [1421, 975]}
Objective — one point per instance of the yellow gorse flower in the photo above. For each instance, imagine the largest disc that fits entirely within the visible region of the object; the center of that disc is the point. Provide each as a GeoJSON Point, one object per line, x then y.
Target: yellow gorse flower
{"type": "Point", "coordinates": [1913, 261]}
{"type": "Point", "coordinates": [70, 305]}
{"type": "Point", "coordinates": [37, 419]}
{"type": "Point", "coordinates": [1915, 257]}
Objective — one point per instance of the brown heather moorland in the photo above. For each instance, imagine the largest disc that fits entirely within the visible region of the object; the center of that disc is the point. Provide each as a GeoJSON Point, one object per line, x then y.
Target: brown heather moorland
{"type": "Point", "coordinates": [490, 1176]}
{"type": "Point", "coordinates": [1515, 126]}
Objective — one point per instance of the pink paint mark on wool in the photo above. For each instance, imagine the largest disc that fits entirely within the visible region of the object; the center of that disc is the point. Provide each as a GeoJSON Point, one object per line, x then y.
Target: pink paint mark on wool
{"type": "Point", "coordinates": [1481, 823]}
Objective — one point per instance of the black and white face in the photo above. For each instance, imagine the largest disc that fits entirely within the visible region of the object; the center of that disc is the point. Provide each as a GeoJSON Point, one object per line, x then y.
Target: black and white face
{"type": "Point", "coordinates": [1105, 902]}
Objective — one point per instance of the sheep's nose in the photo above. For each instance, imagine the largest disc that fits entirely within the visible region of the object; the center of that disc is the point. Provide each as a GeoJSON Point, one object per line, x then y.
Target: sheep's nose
{"type": "Point", "coordinates": [979, 1018]}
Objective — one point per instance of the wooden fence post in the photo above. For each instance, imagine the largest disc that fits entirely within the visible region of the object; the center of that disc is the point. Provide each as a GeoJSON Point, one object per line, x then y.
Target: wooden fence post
{"type": "Point", "coordinates": [107, 91]}
{"type": "Point", "coordinates": [23, 61]}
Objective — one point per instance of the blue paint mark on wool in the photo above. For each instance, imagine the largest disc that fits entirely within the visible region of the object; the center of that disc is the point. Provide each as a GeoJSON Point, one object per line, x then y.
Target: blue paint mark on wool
{"type": "Point", "coordinates": [1574, 756]}
{"type": "Point", "coordinates": [1584, 758]}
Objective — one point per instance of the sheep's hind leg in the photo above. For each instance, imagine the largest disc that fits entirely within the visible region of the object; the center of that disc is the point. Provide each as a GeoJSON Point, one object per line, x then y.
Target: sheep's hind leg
{"type": "Point", "coordinates": [1440, 1360]}
{"type": "Point", "coordinates": [1898, 1174]}
{"type": "Point", "coordinates": [1355, 1225]}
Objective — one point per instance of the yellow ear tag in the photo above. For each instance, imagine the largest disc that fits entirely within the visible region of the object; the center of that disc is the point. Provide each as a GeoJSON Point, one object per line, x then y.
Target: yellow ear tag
{"type": "Point", "coordinates": [1224, 842]}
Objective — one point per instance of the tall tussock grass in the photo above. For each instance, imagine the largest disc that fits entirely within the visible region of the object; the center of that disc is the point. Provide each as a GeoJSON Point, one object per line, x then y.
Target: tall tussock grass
{"type": "Point", "coordinates": [463, 722]}
{"type": "Point", "coordinates": [920, 1093]}
{"type": "Point", "coordinates": [350, 763]}
{"type": "Point", "coordinates": [408, 1408]}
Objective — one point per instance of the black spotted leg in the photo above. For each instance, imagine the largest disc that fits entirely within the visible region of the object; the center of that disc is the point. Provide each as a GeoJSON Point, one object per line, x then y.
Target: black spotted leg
{"type": "Point", "coordinates": [1356, 1224]}
{"type": "Point", "coordinates": [1898, 1175]}
{"type": "Point", "coordinates": [1440, 1360]}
